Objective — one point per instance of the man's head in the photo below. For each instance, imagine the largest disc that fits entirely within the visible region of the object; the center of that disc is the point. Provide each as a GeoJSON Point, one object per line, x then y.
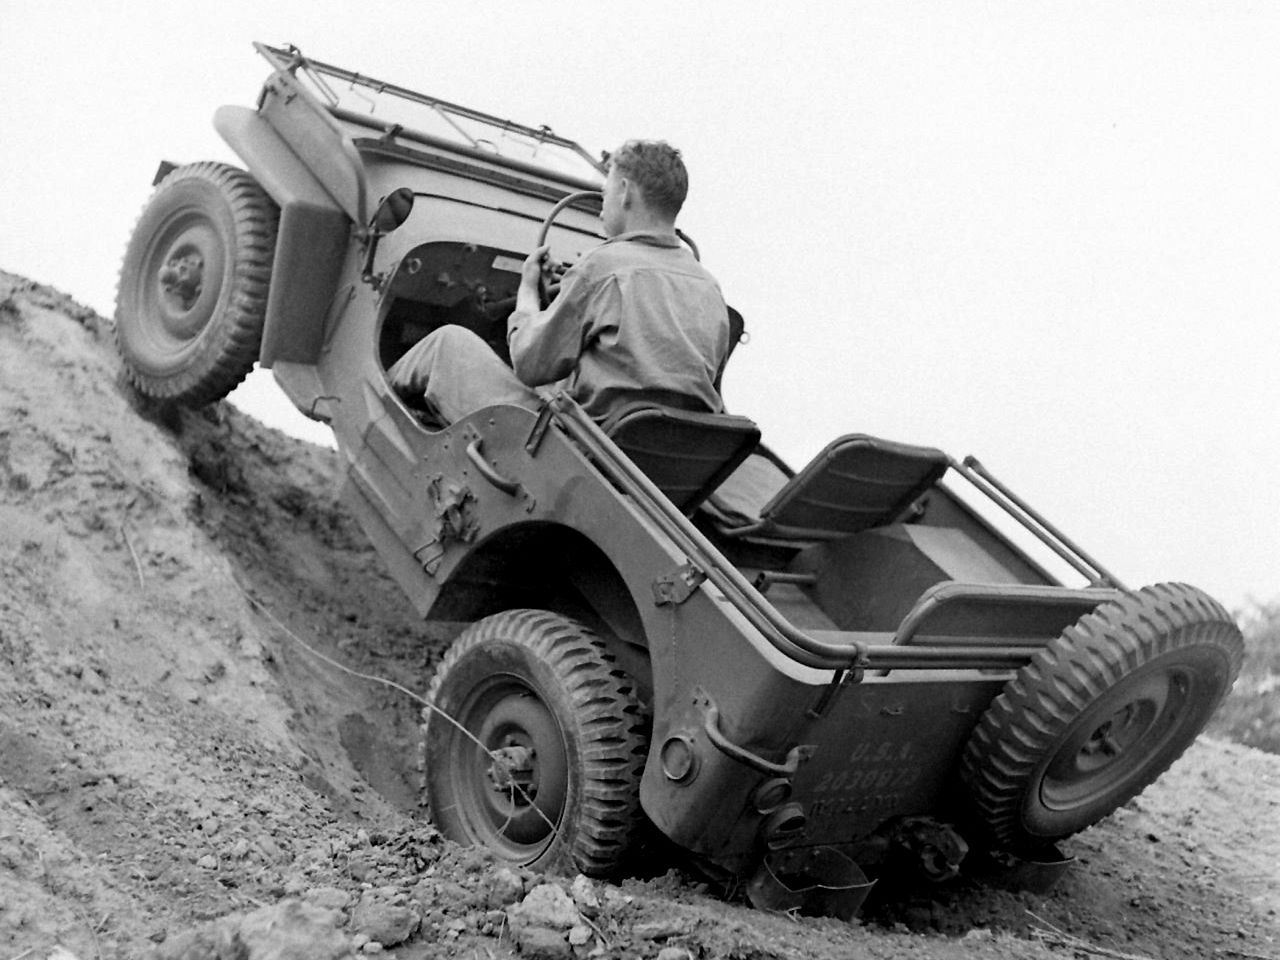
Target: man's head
{"type": "Point", "coordinates": [645, 188]}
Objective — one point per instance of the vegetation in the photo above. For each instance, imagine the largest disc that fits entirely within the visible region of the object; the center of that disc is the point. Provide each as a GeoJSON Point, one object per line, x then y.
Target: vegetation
{"type": "Point", "coordinates": [1251, 712]}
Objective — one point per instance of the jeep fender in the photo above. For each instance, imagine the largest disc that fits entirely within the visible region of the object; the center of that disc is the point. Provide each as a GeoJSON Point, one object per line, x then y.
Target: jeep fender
{"type": "Point", "coordinates": [311, 243]}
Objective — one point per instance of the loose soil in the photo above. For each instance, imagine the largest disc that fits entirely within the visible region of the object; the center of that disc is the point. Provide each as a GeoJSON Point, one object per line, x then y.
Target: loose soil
{"type": "Point", "coordinates": [181, 778]}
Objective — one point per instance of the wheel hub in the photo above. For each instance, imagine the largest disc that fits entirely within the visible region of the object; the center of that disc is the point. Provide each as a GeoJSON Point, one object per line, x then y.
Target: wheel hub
{"type": "Point", "coordinates": [511, 771]}
{"type": "Point", "coordinates": [514, 786]}
{"type": "Point", "coordinates": [182, 277]}
{"type": "Point", "coordinates": [1114, 735]}
{"type": "Point", "coordinates": [1129, 721]}
{"type": "Point", "coordinates": [186, 273]}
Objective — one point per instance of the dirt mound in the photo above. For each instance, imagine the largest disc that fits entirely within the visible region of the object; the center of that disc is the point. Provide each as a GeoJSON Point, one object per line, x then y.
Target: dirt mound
{"type": "Point", "coordinates": [1250, 714]}
{"type": "Point", "coordinates": [180, 778]}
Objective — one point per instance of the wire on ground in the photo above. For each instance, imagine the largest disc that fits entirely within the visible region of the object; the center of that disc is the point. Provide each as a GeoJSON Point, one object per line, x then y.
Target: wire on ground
{"type": "Point", "coordinates": [372, 678]}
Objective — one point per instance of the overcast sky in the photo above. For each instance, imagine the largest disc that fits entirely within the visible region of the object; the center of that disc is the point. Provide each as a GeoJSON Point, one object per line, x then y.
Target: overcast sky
{"type": "Point", "coordinates": [1042, 233]}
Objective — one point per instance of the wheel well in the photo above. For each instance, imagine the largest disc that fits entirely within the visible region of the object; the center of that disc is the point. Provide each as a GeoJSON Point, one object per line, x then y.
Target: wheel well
{"type": "Point", "coordinates": [549, 567]}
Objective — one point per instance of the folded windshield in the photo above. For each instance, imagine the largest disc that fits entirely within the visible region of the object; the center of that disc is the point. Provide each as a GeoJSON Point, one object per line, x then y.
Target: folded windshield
{"type": "Point", "coordinates": [353, 96]}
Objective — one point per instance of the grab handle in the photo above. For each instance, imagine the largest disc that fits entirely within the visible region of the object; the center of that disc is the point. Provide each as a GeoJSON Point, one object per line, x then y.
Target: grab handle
{"type": "Point", "coordinates": [711, 725]}
{"type": "Point", "coordinates": [510, 487]}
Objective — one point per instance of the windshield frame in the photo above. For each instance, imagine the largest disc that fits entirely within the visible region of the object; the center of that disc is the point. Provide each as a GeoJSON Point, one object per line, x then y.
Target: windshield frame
{"type": "Point", "coordinates": [320, 78]}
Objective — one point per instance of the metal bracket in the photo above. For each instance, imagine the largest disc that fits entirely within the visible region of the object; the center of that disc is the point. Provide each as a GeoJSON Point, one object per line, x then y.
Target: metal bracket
{"type": "Point", "coordinates": [429, 555]}
{"type": "Point", "coordinates": [846, 677]}
{"type": "Point", "coordinates": [839, 680]}
{"type": "Point", "coordinates": [315, 414]}
{"type": "Point", "coordinates": [678, 586]}
{"type": "Point", "coordinates": [539, 429]}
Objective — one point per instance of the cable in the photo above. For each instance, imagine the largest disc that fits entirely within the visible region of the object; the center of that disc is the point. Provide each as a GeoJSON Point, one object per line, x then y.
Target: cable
{"type": "Point", "coordinates": [394, 686]}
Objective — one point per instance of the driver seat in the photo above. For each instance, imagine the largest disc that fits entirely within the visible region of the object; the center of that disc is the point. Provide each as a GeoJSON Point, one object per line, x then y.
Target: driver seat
{"type": "Point", "coordinates": [686, 454]}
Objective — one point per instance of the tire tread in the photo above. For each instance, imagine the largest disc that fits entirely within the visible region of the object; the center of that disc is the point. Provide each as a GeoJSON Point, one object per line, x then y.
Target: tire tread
{"type": "Point", "coordinates": [233, 335]}
{"type": "Point", "coordinates": [611, 727]}
{"type": "Point", "coordinates": [1023, 724]}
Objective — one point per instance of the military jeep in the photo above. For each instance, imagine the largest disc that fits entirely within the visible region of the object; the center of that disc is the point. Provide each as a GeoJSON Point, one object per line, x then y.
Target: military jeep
{"type": "Point", "coordinates": [802, 679]}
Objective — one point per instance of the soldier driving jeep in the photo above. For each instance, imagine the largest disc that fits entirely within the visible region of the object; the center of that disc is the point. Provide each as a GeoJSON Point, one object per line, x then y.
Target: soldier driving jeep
{"type": "Point", "coordinates": [636, 318]}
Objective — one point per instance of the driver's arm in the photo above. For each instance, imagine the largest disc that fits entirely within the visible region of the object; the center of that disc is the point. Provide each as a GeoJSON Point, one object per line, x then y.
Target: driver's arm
{"type": "Point", "coordinates": [545, 344]}
{"type": "Point", "coordinates": [527, 299]}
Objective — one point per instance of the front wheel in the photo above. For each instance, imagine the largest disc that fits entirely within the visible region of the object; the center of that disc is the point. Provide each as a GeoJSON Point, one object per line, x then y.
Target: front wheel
{"type": "Point", "coordinates": [543, 763]}
{"type": "Point", "coordinates": [1099, 714]}
{"type": "Point", "coordinates": [193, 284]}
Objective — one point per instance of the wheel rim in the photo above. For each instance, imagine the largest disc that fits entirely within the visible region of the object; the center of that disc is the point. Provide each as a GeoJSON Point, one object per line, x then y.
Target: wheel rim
{"type": "Point", "coordinates": [1137, 718]}
{"type": "Point", "coordinates": [180, 283]}
{"type": "Point", "coordinates": [511, 791]}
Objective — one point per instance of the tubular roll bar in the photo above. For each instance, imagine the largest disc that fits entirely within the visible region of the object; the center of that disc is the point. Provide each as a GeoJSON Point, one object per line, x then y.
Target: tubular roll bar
{"type": "Point", "coordinates": [1044, 531]}
{"type": "Point", "coordinates": [775, 628]}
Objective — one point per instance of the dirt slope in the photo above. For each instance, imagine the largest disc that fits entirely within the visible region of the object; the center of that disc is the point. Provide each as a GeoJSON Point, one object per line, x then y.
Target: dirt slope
{"type": "Point", "coordinates": [178, 777]}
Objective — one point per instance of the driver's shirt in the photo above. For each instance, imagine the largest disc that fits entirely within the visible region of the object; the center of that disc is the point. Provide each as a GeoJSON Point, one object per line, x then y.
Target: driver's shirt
{"type": "Point", "coordinates": [636, 317]}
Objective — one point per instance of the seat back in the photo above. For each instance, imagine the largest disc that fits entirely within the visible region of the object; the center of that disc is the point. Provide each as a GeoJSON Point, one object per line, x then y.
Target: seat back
{"type": "Point", "coordinates": [856, 483]}
{"type": "Point", "coordinates": [685, 454]}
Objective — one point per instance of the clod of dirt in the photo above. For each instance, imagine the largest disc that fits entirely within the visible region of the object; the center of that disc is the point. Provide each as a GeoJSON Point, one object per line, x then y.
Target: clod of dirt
{"type": "Point", "coordinates": [385, 917]}
{"type": "Point", "coordinates": [289, 930]}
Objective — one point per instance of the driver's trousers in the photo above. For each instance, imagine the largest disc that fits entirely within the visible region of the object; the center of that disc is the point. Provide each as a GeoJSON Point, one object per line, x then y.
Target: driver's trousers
{"type": "Point", "coordinates": [456, 373]}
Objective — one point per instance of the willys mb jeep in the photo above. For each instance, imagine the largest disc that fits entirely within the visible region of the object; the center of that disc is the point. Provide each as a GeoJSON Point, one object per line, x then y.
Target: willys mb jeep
{"type": "Point", "coordinates": [799, 678]}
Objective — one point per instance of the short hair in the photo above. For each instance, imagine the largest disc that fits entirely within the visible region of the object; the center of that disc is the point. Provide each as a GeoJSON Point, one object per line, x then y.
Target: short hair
{"type": "Point", "coordinates": [655, 166]}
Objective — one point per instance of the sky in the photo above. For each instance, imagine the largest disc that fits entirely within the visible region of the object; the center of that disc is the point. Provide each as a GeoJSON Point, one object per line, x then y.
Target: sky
{"type": "Point", "coordinates": [1042, 233]}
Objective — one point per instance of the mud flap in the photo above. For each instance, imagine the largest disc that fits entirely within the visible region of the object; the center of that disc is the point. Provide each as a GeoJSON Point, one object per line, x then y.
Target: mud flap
{"type": "Point", "coordinates": [820, 882]}
{"type": "Point", "coordinates": [1035, 873]}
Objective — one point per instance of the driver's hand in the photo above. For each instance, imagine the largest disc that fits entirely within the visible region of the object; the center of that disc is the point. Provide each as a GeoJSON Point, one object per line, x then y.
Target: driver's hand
{"type": "Point", "coordinates": [531, 272]}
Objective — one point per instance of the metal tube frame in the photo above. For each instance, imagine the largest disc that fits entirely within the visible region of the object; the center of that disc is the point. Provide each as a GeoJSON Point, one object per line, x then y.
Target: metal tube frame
{"type": "Point", "coordinates": [292, 59]}
{"type": "Point", "coordinates": [775, 628]}
{"type": "Point", "coordinates": [1044, 531]}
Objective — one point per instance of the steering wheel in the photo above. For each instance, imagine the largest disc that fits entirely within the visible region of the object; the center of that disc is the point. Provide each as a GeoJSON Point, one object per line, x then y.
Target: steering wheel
{"type": "Point", "coordinates": [544, 296]}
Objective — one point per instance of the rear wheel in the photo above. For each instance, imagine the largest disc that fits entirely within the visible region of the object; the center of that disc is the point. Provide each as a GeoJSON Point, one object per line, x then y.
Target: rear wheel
{"type": "Point", "coordinates": [549, 774]}
{"type": "Point", "coordinates": [1100, 713]}
{"type": "Point", "coordinates": [193, 285]}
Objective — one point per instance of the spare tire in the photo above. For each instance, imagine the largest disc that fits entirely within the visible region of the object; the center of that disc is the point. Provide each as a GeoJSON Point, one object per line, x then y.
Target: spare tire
{"type": "Point", "coordinates": [1099, 714]}
{"type": "Point", "coordinates": [193, 285]}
